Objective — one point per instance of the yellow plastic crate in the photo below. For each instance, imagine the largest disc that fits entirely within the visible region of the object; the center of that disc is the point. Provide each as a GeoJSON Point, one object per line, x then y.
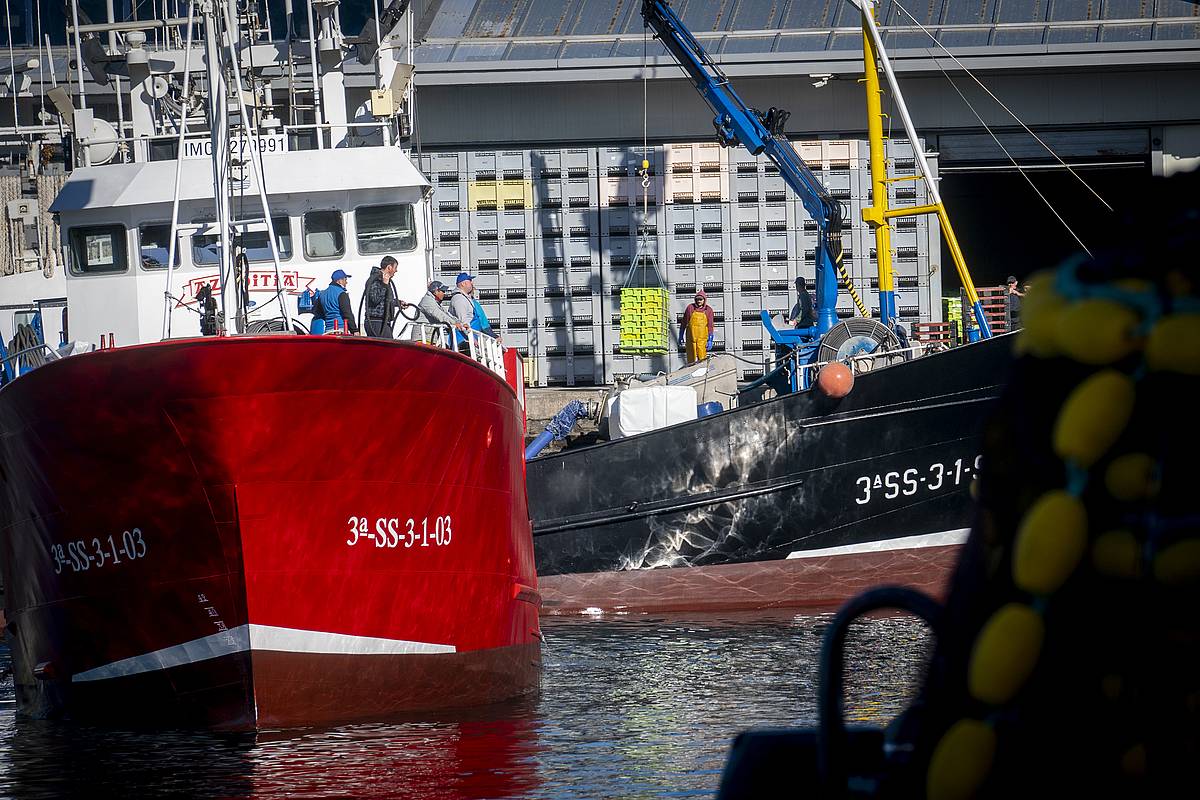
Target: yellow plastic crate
{"type": "Point", "coordinates": [499, 195]}
{"type": "Point", "coordinates": [516, 194]}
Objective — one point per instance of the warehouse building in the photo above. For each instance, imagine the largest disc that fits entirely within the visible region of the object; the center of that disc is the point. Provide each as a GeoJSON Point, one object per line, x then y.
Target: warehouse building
{"type": "Point", "coordinates": [530, 118]}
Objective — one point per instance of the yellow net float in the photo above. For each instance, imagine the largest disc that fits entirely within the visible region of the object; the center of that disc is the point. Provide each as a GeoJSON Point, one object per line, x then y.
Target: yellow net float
{"type": "Point", "coordinates": [1093, 417]}
{"type": "Point", "coordinates": [1133, 761]}
{"type": "Point", "coordinates": [1040, 317]}
{"type": "Point", "coordinates": [1051, 540]}
{"type": "Point", "coordinates": [1132, 477]}
{"type": "Point", "coordinates": [1179, 284]}
{"type": "Point", "coordinates": [1174, 344]}
{"type": "Point", "coordinates": [1179, 563]}
{"type": "Point", "coordinates": [1005, 653]}
{"type": "Point", "coordinates": [1096, 331]}
{"type": "Point", "coordinates": [1137, 285]}
{"type": "Point", "coordinates": [1117, 554]}
{"type": "Point", "coordinates": [961, 761]}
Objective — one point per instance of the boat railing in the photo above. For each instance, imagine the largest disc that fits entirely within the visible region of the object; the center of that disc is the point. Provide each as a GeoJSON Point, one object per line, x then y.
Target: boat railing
{"type": "Point", "coordinates": [480, 347]}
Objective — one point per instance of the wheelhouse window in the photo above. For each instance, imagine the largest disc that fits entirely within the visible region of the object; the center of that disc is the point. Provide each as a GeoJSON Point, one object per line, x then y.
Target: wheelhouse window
{"type": "Point", "coordinates": [385, 229]}
{"type": "Point", "coordinates": [154, 243]}
{"type": "Point", "coordinates": [98, 249]}
{"type": "Point", "coordinates": [323, 235]}
{"type": "Point", "coordinates": [206, 249]}
{"type": "Point", "coordinates": [256, 245]}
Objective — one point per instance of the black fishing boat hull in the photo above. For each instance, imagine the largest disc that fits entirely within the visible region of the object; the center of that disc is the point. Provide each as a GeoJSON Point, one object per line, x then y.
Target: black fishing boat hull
{"type": "Point", "coordinates": [799, 500]}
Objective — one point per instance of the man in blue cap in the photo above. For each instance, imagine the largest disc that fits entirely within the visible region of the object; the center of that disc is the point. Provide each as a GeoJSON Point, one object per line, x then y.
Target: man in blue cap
{"type": "Point", "coordinates": [335, 300]}
{"type": "Point", "coordinates": [466, 308]}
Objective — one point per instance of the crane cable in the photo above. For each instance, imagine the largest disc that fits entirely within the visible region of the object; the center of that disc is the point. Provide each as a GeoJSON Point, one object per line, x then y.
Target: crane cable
{"type": "Point", "coordinates": [645, 167]}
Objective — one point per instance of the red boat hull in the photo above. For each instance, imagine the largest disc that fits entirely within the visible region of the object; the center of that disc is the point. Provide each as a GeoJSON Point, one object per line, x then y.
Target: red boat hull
{"type": "Point", "coordinates": [266, 531]}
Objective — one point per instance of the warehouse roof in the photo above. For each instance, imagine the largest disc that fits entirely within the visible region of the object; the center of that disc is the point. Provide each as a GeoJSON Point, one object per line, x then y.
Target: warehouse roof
{"type": "Point", "coordinates": [552, 30]}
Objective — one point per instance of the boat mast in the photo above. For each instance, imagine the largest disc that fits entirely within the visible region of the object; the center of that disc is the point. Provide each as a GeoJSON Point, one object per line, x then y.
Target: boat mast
{"type": "Point", "coordinates": [218, 120]}
{"type": "Point", "coordinates": [877, 216]}
{"type": "Point", "coordinates": [173, 242]}
{"type": "Point", "coordinates": [249, 139]}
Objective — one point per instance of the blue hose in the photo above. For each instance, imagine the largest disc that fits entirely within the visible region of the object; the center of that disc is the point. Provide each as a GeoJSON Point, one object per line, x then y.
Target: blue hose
{"type": "Point", "coordinates": [558, 428]}
{"type": "Point", "coordinates": [538, 445]}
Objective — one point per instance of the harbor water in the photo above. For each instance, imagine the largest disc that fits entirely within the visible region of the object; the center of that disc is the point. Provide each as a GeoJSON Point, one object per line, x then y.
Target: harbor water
{"type": "Point", "coordinates": [629, 707]}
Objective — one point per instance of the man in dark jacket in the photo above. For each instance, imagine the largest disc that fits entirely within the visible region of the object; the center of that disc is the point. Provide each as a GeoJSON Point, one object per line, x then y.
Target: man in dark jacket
{"type": "Point", "coordinates": [379, 297]}
{"type": "Point", "coordinates": [1014, 297]}
{"type": "Point", "coordinates": [802, 315]}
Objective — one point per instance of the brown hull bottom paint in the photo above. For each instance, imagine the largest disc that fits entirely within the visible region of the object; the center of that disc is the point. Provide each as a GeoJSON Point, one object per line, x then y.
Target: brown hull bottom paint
{"type": "Point", "coordinates": [817, 582]}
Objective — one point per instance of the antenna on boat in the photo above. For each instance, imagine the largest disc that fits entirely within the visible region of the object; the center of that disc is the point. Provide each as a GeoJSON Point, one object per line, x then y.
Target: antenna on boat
{"type": "Point", "coordinates": [168, 299]}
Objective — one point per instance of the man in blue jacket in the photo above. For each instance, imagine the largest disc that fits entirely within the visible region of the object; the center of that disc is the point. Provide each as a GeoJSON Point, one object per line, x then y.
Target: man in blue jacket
{"type": "Point", "coordinates": [466, 308]}
{"type": "Point", "coordinates": [339, 314]}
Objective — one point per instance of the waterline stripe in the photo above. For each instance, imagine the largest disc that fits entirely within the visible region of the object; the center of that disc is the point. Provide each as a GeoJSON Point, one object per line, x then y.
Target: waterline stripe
{"type": "Point", "coordinates": [939, 539]}
{"type": "Point", "coordinates": [295, 640]}
{"type": "Point", "coordinates": [261, 638]}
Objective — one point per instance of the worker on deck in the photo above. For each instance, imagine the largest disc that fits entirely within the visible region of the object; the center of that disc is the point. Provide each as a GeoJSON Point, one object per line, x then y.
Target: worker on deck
{"type": "Point", "coordinates": [696, 332]}
{"type": "Point", "coordinates": [1014, 303]}
{"type": "Point", "coordinates": [382, 303]}
{"type": "Point", "coordinates": [335, 300]}
{"type": "Point", "coordinates": [466, 308]}
{"type": "Point", "coordinates": [802, 315]}
{"type": "Point", "coordinates": [430, 311]}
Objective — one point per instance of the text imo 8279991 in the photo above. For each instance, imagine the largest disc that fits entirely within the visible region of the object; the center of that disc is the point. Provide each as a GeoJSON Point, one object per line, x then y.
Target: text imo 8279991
{"type": "Point", "coordinates": [394, 532]}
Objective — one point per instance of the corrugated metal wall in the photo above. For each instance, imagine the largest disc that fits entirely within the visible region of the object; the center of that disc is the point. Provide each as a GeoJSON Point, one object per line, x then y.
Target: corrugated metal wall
{"type": "Point", "coordinates": [553, 235]}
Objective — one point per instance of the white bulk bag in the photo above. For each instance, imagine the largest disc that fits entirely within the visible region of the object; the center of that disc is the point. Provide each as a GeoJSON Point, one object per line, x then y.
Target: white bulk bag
{"type": "Point", "coordinates": [649, 408]}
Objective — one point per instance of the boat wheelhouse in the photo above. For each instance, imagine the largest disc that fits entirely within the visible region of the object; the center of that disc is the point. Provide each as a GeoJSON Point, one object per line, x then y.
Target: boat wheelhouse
{"type": "Point", "coordinates": [330, 209]}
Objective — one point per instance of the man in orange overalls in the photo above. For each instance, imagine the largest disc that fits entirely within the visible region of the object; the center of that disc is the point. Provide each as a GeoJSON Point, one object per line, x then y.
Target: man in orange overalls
{"type": "Point", "coordinates": [697, 328]}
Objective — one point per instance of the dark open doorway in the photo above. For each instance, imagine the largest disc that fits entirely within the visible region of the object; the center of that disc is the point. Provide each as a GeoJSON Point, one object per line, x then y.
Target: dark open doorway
{"type": "Point", "coordinates": [1004, 228]}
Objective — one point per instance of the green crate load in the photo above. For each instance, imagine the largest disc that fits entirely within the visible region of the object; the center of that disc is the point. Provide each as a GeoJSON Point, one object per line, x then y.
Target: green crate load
{"type": "Point", "coordinates": [953, 308]}
{"type": "Point", "coordinates": [645, 320]}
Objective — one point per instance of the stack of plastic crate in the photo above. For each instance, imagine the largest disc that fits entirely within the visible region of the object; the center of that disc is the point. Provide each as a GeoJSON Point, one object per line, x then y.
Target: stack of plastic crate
{"type": "Point", "coordinates": [499, 251]}
{"type": "Point", "coordinates": [447, 172]}
{"type": "Point", "coordinates": [566, 263]}
{"type": "Point", "coordinates": [645, 329]}
{"type": "Point", "coordinates": [698, 225]}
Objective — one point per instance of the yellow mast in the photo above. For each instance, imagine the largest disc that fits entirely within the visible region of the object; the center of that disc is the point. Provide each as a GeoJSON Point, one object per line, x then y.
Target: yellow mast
{"type": "Point", "coordinates": [878, 214]}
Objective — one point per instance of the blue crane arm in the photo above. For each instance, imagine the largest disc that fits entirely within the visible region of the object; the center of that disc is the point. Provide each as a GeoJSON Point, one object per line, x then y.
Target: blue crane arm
{"type": "Point", "coordinates": [739, 124]}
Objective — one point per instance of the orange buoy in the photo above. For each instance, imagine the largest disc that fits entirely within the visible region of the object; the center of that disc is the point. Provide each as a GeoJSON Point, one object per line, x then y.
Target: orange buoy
{"type": "Point", "coordinates": [835, 381]}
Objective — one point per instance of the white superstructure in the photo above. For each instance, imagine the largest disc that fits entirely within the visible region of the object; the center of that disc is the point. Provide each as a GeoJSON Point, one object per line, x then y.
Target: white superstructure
{"type": "Point", "coordinates": [341, 189]}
